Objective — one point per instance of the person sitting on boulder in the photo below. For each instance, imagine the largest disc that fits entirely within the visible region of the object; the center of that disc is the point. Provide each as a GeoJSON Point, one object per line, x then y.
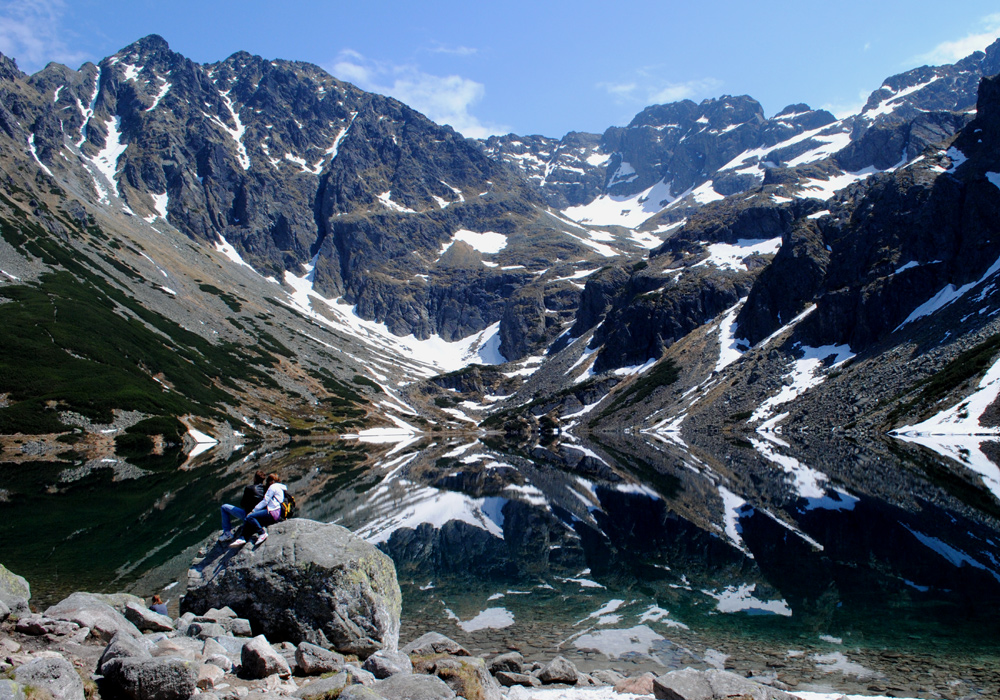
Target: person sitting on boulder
{"type": "Point", "coordinates": [252, 495]}
{"type": "Point", "coordinates": [158, 606]}
{"type": "Point", "coordinates": [265, 513]}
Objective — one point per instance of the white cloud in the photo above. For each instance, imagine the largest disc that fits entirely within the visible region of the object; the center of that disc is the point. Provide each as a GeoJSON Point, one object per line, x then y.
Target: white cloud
{"type": "Point", "coordinates": [443, 99]}
{"type": "Point", "coordinates": [952, 51]}
{"type": "Point", "coordinates": [454, 50]}
{"type": "Point", "coordinates": [30, 32]}
{"type": "Point", "coordinates": [651, 90]}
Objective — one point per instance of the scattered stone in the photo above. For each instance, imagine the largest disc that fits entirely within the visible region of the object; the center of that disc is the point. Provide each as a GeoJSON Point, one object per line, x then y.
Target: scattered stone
{"type": "Point", "coordinates": [152, 679]}
{"type": "Point", "coordinates": [314, 660]}
{"type": "Point", "coordinates": [181, 647]}
{"type": "Point", "coordinates": [14, 592]}
{"type": "Point", "coordinates": [206, 630]}
{"type": "Point", "coordinates": [509, 679]}
{"type": "Point", "coordinates": [209, 676]}
{"type": "Point", "coordinates": [123, 646]}
{"type": "Point", "coordinates": [94, 611]}
{"type": "Point", "coordinates": [512, 662]}
{"type": "Point", "coordinates": [147, 620]}
{"type": "Point", "coordinates": [10, 690]}
{"type": "Point", "coordinates": [9, 646]}
{"type": "Point", "coordinates": [584, 680]}
{"type": "Point", "coordinates": [607, 677]}
{"type": "Point", "coordinates": [56, 675]}
{"type": "Point", "coordinates": [434, 643]}
{"type": "Point", "coordinates": [37, 625]}
{"type": "Point", "coordinates": [359, 692]}
{"type": "Point", "coordinates": [466, 675]}
{"type": "Point", "coordinates": [260, 660]}
{"type": "Point", "coordinates": [321, 687]}
{"type": "Point", "coordinates": [220, 614]}
{"type": "Point", "coordinates": [240, 627]}
{"type": "Point", "coordinates": [637, 685]}
{"type": "Point", "coordinates": [559, 670]}
{"type": "Point", "coordinates": [690, 684]}
{"type": "Point", "coordinates": [414, 686]}
{"type": "Point", "coordinates": [313, 582]}
{"type": "Point", "coordinates": [383, 664]}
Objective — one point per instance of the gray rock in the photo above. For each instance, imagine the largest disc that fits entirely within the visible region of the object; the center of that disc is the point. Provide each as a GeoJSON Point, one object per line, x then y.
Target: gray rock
{"type": "Point", "coordinates": [636, 685]}
{"type": "Point", "coordinates": [383, 664]}
{"type": "Point", "coordinates": [434, 643]}
{"type": "Point", "coordinates": [359, 692]}
{"type": "Point", "coordinates": [209, 675]}
{"type": "Point", "coordinates": [38, 624]}
{"type": "Point", "coordinates": [233, 647]}
{"type": "Point", "coordinates": [260, 660]}
{"type": "Point", "coordinates": [559, 670]}
{"type": "Point", "coordinates": [95, 611]}
{"type": "Point", "coordinates": [220, 660]}
{"type": "Point", "coordinates": [181, 647]}
{"type": "Point", "coordinates": [314, 660]}
{"type": "Point", "coordinates": [509, 679]}
{"type": "Point", "coordinates": [607, 677]}
{"type": "Point", "coordinates": [147, 620]}
{"type": "Point", "coordinates": [123, 646]}
{"type": "Point", "coordinates": [152, 679]}
{"type": "Point", "coordinates": [4, 611]}
{"type": "Point", "coordinates": [14, 591]}
{"type": "Point", "coordinates": [206, 630]}
{"type": "Point", "coordinates": [360, 675]}
{"type": "Point", "coordinates": [56, 675]}
{"type": "Point", "coordinates": [512, 663]}
{"type": "Point", "coordinates": [9, 690]}
{"type": "Point", "coordinates": [220, 614]}
{"type": "Point", "coordinates": [466, 675]}
{"type": "Point", "coordinates": [240, 627]}
{"type": "Point", "coordinates": [690, 684]}
{"type": "Point", "coordinates": [414, 686]}
{"type": "Point", "coordinates": [311, 582]}
{"type": "Point", "coordinates": [322, 686]}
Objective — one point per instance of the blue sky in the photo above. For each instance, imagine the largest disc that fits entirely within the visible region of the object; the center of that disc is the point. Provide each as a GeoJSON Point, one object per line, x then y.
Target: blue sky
{"type": "Point", "coordinates": [541, 67]}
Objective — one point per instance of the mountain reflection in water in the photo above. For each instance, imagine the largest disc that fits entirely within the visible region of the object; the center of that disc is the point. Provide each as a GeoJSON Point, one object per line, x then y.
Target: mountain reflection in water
{"type": "Point", "coordinates": [618, 548]}
{"type": "Point", "coordinates": [620, 542]}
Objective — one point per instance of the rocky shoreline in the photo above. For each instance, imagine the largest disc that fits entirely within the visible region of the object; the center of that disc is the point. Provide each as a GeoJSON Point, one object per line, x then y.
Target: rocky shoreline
{"type": "Point", "coordinates": [312, 613]}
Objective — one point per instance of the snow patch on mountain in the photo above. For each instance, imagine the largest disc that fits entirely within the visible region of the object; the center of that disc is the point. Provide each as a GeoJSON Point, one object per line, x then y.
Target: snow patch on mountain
{"type": "Point", "coordinates": [629, 211]}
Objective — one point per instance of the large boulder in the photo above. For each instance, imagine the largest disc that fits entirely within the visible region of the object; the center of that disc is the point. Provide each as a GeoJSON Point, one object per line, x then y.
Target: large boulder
{"type": "Point", "coordinates": [260, 660]}
{"type": "Point", "coordinates": [689, 684]}
{"type": "Point", "coordinates": [98, 612]}
{"type": "Point", "coordinates": [147, 620]}
{"type": "Point", "coordinates": [309, 581]}
{"type": "Point", "coordinates": [151, 679]}
{"type": "Point", "coordinates": [9, 690]}
{"type": "Point", "coordinates": [54, 674]}
{"type": "Point", "coordinates": [14, 591]}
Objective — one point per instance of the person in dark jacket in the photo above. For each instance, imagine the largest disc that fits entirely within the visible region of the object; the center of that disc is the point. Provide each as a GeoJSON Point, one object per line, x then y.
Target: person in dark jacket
{"type": "Point", "coordinates": [252, 495]}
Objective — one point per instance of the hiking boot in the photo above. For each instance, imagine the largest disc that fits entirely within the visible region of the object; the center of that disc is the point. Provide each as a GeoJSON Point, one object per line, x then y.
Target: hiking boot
{"type": "Point", "coordinates": [238, 542]}
{"type": "Point", "coordinates": [226, 536]}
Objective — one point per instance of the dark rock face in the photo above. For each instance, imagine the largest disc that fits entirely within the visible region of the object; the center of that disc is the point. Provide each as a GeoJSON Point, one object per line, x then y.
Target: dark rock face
{"type": "Point", "coordinates": [308, 582]}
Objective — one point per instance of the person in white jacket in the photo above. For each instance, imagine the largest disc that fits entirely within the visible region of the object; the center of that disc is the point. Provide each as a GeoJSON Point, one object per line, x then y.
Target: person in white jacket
{"type": "Point", "coordinates": [265, 513]}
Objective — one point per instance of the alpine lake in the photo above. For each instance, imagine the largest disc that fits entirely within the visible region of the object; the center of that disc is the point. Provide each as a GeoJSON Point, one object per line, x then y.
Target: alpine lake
{"type": "Point", "coordinates": [824, 563]}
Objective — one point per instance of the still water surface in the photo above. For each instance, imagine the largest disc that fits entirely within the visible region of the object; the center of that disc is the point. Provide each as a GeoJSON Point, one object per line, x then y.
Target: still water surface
{"type": "Point", "coordinates": [824, 563]}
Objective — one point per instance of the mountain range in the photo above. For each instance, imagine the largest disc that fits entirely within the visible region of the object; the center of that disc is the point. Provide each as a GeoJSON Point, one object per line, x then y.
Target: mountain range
{"type": "Point", "coordinates": [252, 249]}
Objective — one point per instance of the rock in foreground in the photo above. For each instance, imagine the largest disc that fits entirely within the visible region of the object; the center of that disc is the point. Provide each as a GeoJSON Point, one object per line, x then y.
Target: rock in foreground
{"type": "Point", "coordinates": [308, 582]}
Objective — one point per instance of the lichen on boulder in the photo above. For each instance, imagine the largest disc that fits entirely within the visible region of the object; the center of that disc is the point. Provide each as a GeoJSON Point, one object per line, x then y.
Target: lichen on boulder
{"type": "Point", "coordinates": [308, 582]}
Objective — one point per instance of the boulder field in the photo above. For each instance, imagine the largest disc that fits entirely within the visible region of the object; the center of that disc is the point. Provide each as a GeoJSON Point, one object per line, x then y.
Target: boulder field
{"type": "Point", "coordinates": [312, 613]}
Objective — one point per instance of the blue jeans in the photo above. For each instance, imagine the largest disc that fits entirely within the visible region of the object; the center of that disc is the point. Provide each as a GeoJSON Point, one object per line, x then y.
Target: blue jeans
{"type": "Point", "coordinates": [256, 521]}
{"type": "Point", "coordinates": [229, 513]}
